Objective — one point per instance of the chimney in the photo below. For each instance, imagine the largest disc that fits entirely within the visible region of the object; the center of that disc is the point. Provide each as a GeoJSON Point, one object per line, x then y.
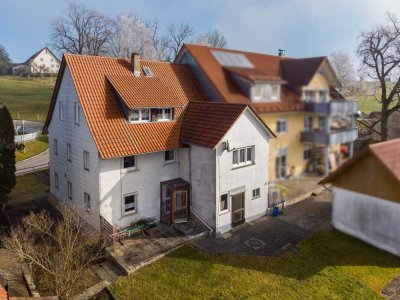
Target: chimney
{"type": "Point", "coordinates": [281, 52]}
{"type": "Point", "coordinates": [135, 63]}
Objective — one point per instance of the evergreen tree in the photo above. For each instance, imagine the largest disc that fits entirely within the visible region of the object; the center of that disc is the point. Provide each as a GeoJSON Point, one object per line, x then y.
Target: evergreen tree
{"type": "Point", "coordinates": [7, 156]}
{"type": "Point", "coordinates": [5, 61]}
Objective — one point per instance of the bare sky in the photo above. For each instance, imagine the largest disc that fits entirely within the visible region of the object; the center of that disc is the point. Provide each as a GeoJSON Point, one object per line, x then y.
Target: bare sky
{"type": "Point", "coordinates": [302, 27]}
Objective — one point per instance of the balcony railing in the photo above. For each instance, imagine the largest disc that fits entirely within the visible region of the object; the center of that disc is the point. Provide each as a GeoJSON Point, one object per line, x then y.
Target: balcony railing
{"type": "Point", "coordinates": [333, 137]}
{"type": "Point", "coordinates": [333, 107]}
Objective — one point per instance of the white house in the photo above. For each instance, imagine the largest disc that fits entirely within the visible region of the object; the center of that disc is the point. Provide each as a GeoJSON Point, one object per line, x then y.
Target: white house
{"type": "Point", "coordinates": [42, 62]}
{"type": "Point", "coordinates": [132, 139]}
{"type": "Point", "coordinates": [366, 196]}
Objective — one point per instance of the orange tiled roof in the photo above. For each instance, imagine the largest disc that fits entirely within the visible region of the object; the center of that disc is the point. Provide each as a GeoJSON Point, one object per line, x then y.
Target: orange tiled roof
{"type": "Point", "coordinates": [139, 92]}
{"type": "Point", "coordinates": [112, 134]}
{"type": "Point", "coordinates": [253, 74]}
{"type": "Point", "coordinates": [206, 123]}
{"type": "Point", "coordinates": [388, 153]}
{"type": "Point", "coordinates": [265, 66]}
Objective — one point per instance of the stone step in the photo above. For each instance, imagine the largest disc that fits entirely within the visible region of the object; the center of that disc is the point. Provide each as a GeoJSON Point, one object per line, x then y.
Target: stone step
{"type": "Point", "coordinates": [108, 271]}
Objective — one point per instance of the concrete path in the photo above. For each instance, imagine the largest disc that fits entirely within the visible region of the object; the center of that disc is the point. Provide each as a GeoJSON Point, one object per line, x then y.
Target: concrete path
{"type": "Point", "coordinates": [38, 160]}
{"type": "Point", "coordinates": [270, 236]}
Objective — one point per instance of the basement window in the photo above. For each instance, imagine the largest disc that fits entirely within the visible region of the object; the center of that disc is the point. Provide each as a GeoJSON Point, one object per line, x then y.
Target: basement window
{"type": "Point", "coordinates": [130, 201]}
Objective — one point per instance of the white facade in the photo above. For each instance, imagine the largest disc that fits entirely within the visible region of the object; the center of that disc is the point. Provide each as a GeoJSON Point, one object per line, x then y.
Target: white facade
{"type": "Point", "coordinates": [373, 220]}
{"type": "Point", "coordinates": [78, 136]}
{"type": "Point", "coordinates": [45, 62]}
{"type": "Point", "coordinates": [210, 171]}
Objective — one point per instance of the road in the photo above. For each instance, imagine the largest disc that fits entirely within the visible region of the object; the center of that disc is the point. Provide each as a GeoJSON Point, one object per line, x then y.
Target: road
{"type": "Point", "coordinates": [38, 160]}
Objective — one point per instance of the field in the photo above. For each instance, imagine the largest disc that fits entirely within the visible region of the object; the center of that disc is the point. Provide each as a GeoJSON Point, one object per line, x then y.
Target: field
{"type": "Point", "coordinates": [330, 265]}
{"type": "Point", "coordinates": [33, 148]}
{"type": "Point", "coordinates": [26, 98]}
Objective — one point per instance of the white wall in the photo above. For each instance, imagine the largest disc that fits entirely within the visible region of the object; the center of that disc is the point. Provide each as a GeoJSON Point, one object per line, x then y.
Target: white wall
{"type": "Point", "coordinates": [47, 59]}
{"type": "Point", "coordinates": [247, 131]}
{"type": "Point", "coordinates": [80, 139]}
{"type": "Point", "coordinates": [373, 220]}
{"type": "Point", "coordinates": [115, 182]}
{"type": "Point", "coordinates": [202, 174]}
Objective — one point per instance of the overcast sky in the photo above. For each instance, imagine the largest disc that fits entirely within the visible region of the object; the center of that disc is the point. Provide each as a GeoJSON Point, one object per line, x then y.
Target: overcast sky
{"type": "Point", "coordinates": [302, 27]}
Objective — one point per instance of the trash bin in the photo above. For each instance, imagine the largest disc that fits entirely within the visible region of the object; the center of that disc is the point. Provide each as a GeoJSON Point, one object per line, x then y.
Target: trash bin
{"type": "Point", "coordinates": [275, 211]}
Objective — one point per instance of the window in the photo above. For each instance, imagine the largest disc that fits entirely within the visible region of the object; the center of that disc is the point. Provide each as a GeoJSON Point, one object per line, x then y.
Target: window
{"type": "Point", "coordinates": [86, 160]}
{"type": "Point", "coordinates": [162, 114]}
{"type": "Point", "coordinates": [310, 96]}
{"type": "Point", "coordinates": [69, 190]}
{"type": "Point", "coordinates": [129, 162]}
{"type": "Point", "coordinates": [256, 193]}
{"type": "Point", "coordinates": [323, 96]}
{"type": "Point", "coordinates": [69, 152]}
{"type": "Point", "coordinates": [52, 65]}
{"type": "Point", "coordinates": [266, 92]}
{"type": "Point", "coordinates": [169, 155]}
{"type": "Point", "coordinates": [243, 156]}
{"type": "Point", "coordinates": [223, 202]}
{"type": "Point", "coordinates": [77, 113]}
{"type": "Point", "coordinates": [87, 202]}
{"type": "Point", "coordinates": [61, 111]}
{"type": "Point", "coordinates": [140, 115]}
{"type": "Point", "coordinates": [56, 180]}
{"type": "Point", "coordinates": [307, 153]}
{"type": "Point", "coordinates": [55, 147]}
{"type": "Point", "coordinates": [51, 59]}
{"type": "Point", "coordinates": [308, 123]}
{"type": "Point", "coordinates": [281, 126]}
{"type": "Point", "coordinates": [322, 123]}
{"type": "Point", "coordinates": [130, 203]}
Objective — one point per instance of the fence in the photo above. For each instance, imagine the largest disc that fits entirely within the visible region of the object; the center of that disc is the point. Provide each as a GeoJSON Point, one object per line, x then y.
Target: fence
{"type": "Point", "coordinates": [33, 169]}
{"type": "Point", "coordinates": [26, 137]}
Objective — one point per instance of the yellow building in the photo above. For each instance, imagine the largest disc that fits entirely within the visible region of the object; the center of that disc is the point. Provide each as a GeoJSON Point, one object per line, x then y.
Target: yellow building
{"type": "Point", "coordinates": [296, 98]}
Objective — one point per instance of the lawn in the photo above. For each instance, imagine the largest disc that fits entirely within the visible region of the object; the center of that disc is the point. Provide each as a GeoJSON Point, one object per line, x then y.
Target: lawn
{"type": "Point", "coordinates": [33, 148]}
{"type": "Point", "coordinates": [26, 98]}
{"type": "Point", "coordinates": [330, 265]}
{"type": "Point", "coordinates": [368, 104]}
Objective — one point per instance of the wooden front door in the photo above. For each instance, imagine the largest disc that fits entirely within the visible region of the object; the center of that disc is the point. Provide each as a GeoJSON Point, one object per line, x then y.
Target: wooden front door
{"type": "Point", "coordinates": [180, 206]}
{"type": "Point", "coordinates": [238, 209]}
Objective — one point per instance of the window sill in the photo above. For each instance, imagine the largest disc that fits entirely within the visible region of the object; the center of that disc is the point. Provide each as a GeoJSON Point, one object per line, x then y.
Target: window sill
{"type": "Point", "coordinates": [128, 170]}
{"type": "Point", "coordinates": [224, 212]}
{"type": "Point", "coordinates": [130, 213]}
{"type": "Point", "coordinates": [254, 198]}
{"type": "Point", "coordinates": [242, 166]}
{"type": "Point", "coordinates": [168, 162]}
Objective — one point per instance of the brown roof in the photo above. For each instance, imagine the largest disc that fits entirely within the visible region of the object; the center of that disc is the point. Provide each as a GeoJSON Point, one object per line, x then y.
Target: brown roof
{"type": "Point", "coordinates": [206, 123]}
{"type": "Point", "coordinates": [139, 92]}
{"type": "Point", "coordinates": [267, 66]}
{"type": "Point", "coordinates": [112, 134]}
{"type": "Point", "coordinates": [253, 74]}
{"type": "Point", "coordinates": [388, 153]}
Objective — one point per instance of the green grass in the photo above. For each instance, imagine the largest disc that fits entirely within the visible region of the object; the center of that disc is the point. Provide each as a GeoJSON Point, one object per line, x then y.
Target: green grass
{"type": "Point", "coordinates": [33, 148]}
{"type": "Point", "coordinates": [27, 187]}
{"type": "Point", "coordinates": [26, 98]}
{"type": "Point", "coordinates": [330, 265]}
{"type": "Point", "coordinates": [368, 104]}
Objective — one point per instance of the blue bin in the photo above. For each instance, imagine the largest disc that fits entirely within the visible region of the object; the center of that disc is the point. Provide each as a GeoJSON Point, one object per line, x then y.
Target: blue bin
{"type": "Point", "coordinates": [275, 211]}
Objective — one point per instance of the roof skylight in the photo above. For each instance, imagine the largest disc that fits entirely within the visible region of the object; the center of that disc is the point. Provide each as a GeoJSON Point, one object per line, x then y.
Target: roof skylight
{"type": "Point", "coordinates": [229, 59]}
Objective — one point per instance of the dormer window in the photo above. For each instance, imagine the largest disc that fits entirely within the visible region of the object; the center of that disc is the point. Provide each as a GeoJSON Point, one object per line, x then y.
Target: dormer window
{"type": "Point", "coordinates": [263, 92]}
{"type": "Point", "coordinates": [151, 115]}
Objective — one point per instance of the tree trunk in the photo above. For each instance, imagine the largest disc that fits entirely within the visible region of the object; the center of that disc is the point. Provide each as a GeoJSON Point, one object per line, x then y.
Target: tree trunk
{"type": "Point", "coordinates": [384, 122]}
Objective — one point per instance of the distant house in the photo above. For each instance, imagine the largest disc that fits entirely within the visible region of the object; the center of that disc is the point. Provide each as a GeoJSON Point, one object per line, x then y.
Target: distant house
{"type": "Point", "coordinates": [135, 139]}
{"type": "Point", "coordinates": [366, 196]}
{"type": "Point", "coordinates": [42, 62]}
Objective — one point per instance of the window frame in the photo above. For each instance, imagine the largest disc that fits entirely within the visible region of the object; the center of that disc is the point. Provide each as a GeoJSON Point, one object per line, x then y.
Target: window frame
{"type": "Point", "coordinates": [173, 156]}
{"type": "Point", "coordinates": [69, 152]}
{"type": "Point", "coordinates": [69, 190]}
{"type": "Point", "coordinates": [223, 211]}
{"type": "Point", "coordinates": [140, 115]}
{"type": "Point", "coordinates": [134, 167]}
{"type": "Point", "coordinates": [56, 182]}
{"type": "Point", "coordinates": [55, 142]}
{"type": "Point", "coordinates": [77, 113]}
{"type": "Point", "coordinates": [307, 150]}
{"type": "Point", "coordinates": [86, 155]}
{"type": "Point", "coordinates": [308, 123]}
{"type": "Point", "coordinates": [279, 123]}
{"type": "Point", "coordinates": [61, 111]}
{"type": "Point", "coordinates": [257, 194]}
{"type": "Point", "coordinates": [243, 160]}
{"type": "Point", "coordinates": [266, 92]}
{"type": "Point", "coordinates": [136, 196]}
{"type": "Point", "coordinates": [86, 201]}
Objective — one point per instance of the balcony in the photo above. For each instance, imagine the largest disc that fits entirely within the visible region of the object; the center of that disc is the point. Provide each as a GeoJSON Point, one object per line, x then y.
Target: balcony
{"type": "Point", "coordinates": [333, 107]}
{"type": "Point", "coordinates": [333, 137]}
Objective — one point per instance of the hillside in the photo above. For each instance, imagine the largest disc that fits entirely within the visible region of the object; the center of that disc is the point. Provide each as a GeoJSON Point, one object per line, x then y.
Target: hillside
{"type": "Point", "coordinates": [26, 98]}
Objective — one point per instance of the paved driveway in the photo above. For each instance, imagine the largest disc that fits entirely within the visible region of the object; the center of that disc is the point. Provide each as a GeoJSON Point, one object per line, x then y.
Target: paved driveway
{"type": "Point", "coordinates": [270, 236]}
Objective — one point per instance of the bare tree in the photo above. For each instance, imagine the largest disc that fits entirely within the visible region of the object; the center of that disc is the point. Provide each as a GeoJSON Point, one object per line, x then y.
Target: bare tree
{"type": "Point", "coordinates": [344, 69]}
{"type": "Point", "coordinates": [132, 35]}
{"type": "Point", "coordinates": [160, 41]}
{"type": "Point", "coordinates": [81, 30]}
{"type": "Point", "coordinates": [379, 50]}
{"type": "Point", "coordinates": [60, 250]}
{"type": "Point", "coordinates": [212, 38]}
{"type": "Point", "coordinates": [178, 35]}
